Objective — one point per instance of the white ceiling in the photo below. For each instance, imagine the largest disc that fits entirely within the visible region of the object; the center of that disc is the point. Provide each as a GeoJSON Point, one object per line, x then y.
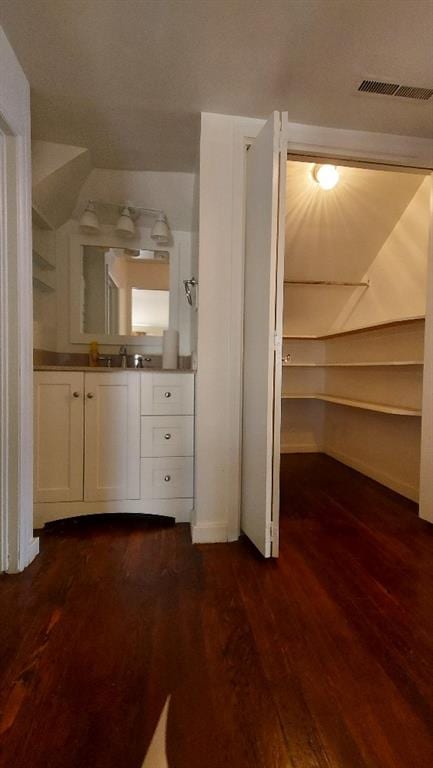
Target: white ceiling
{"type": "Point", "coordinates": [128, 78]}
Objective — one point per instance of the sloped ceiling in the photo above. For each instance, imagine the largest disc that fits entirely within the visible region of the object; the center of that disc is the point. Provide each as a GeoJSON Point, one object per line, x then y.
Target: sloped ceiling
{"type": "Point", "coordinates": [336, 234]}
{"type": "Point", "coordinates": [129, 78]}
{"type": "Point", "coordinates": [58, 171]}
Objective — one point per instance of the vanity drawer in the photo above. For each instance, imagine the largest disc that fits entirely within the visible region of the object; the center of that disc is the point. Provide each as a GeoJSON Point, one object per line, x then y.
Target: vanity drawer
{"type": "Point", "coordinates": [167, 478]}
{"type": "Point", "coordinates": [167, 436]}
{"type": "Point", "coordinates": [167, 393]}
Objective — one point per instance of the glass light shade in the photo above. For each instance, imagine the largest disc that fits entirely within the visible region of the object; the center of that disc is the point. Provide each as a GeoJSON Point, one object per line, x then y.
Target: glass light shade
{"type": "Point", "coordinates": [327, 176]}
{"type": "Point", "coordinates": [125, 226]}
{"type": "Point", "coordinates": [160, 231]}
{"type": "Point", "coordinates": [89, 221]}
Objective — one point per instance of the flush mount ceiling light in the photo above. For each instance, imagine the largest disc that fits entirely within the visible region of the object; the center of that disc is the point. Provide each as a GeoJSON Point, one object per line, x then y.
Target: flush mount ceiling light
{"type": "Point", "coordinates": [327, 176]}
{"type": "Point", "coordinates": [89, 221]}
{"type": "Point", "coordinates": [160, 231]}
{"type": "Point", "coordinates": [125, 226]}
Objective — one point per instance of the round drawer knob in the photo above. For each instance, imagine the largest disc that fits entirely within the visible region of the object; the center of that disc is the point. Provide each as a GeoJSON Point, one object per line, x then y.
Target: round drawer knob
{"type": "Point", "coordinates": [167, 436]}
{"type": "Point", "coordinates": [167, 394]}
{"type": "Point", "coordinates": [90, 395]}
{"type": "Point", "coordinates": [76, 394]}
{"type": "Point", "coordinates": [167, 478]}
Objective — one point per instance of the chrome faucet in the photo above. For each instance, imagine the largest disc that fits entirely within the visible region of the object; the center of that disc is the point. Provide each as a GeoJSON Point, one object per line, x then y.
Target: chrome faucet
{"type": "Point", "coordinates": [123, 352]}
{"type": "Point", "coordinates": [105, 359]}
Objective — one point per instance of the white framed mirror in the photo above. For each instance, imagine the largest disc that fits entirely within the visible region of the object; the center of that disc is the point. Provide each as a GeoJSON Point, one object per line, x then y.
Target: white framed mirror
{"type": "Point", "coordinates": [149, 309]}
{"type": "Point", "coordinates": [121, 293]}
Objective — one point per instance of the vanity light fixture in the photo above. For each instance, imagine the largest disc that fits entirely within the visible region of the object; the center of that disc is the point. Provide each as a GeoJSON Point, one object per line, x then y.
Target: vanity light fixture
{"type": "Point", "coordinates": [125, 225]}
{"type": "Point", "coordinates": [327, 176]}
{"type": "Point", "coordinates": [89, 221]}
{"type": "Point", "coordinates": [129, 213]}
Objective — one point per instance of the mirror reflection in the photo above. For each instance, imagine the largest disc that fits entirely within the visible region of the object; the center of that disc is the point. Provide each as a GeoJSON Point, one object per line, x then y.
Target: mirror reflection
{"type": "Point", "coordinates": [124, 291]}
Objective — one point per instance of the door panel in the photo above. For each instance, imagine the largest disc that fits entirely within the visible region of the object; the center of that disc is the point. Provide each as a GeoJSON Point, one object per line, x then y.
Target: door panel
{"type": "Point", "coordinates": [112, 434]}
{"type": "Point", "coordinates": [58, 436]}
{"type": "Point", "coordinates": [262, 305]}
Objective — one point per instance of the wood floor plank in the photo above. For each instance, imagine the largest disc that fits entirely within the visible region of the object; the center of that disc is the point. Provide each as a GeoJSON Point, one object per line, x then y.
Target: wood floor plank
{"type": "Point", "coordinates": [323, 659]}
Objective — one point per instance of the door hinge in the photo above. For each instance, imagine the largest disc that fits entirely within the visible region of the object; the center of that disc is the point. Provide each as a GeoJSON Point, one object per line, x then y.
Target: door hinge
{"type": "Point", "coordinates": [278, 343]}
{"type": "Point", "coordinates": [271, 531]}
{"type": "Point", "coordinates": [283, 142]}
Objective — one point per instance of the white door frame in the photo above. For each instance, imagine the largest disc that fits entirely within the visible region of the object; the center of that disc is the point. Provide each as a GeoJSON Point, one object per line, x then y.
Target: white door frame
{"type": "Point", "coordinates": [323, 142]}
{"type": "Point", "coordinates": [18, 546]}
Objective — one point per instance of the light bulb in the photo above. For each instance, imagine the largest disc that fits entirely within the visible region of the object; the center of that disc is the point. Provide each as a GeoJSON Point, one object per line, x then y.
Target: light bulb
{"type": "Point", "coordinates": [327, 176]}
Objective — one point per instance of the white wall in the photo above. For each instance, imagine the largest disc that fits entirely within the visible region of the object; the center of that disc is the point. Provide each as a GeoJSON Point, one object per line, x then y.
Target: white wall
{"type": "Point", "coordinates": [44, 320]}
{"type": "Point", "coordinates": [398, 274]}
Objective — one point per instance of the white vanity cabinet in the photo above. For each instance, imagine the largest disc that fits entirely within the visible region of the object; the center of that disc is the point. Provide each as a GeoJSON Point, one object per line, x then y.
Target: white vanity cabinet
{"type": "Point", "coordinates": [113, 441]}
{"type": "Point", "coordinates": [58, 436]}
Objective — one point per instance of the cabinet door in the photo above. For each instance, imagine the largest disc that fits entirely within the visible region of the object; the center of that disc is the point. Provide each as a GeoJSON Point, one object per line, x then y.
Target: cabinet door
{"type": "Point", "coordinates": [58, 436]}
{"type": "Point", "coordinates": [112, 435]}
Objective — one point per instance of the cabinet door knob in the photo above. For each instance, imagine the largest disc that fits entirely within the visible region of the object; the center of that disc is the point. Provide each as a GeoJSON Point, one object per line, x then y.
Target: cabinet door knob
{"type": "Point", "coordinates": [167, 436]}
{"type": "Point", "coordinates": [167, 394]}
{"type": "Point", "coordinates": [167, 478]}
{"type": "Point", "coordinates": [75, 394]}
{"type": "Point", "coordinates": [90, 395]}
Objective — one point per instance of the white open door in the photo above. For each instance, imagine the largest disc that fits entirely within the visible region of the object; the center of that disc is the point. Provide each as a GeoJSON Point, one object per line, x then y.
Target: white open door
{"type": "Point", "coordinates": [264, 273]}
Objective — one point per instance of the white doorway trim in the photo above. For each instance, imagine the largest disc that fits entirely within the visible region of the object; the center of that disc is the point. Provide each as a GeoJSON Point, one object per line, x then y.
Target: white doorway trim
{"type": "Point", "coordinates": [18, 546]}
{"type": "Point", "coordinates": [222, 195]}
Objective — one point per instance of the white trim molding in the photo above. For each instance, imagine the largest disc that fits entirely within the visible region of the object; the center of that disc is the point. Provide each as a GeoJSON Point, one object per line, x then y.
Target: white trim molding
{"type": "Point", "coordinates": [16, 317]}
{"type": "Point", "coordinates": [209, 533]}
{"type": "Point", "coordinates": [426, 484]}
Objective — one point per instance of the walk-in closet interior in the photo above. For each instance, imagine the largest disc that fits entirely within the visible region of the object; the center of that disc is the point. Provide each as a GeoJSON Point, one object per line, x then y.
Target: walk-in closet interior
{"type": "Point", "coordinates": [355, 284]}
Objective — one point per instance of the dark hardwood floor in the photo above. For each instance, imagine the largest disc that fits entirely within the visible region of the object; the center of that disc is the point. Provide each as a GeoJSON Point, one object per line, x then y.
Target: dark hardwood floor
{"type": "Point", "coordinates": [323, 659]}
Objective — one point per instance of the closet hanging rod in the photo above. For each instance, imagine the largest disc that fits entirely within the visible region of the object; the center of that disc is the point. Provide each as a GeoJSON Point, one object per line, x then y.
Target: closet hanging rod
{"type": "Point", "coordinates": [328, 282]}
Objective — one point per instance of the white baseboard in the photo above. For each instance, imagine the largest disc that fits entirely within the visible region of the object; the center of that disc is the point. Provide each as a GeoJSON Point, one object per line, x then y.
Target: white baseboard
{"type": "Point", "coordinates": [209, 533]}
{"type": "Point", "coordinates": [409, 491]}
{"type": "Point", "coordinates": [32, 550]}
{"type": "Point", "coordinates": [300, 448]}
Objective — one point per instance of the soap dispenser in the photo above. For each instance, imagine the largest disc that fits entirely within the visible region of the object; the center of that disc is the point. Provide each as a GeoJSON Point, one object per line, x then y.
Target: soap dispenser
{"type": "Point", "coordinates": [93, 354]}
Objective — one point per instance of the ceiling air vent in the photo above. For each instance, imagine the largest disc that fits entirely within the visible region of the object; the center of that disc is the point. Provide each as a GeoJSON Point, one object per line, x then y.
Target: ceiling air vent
{"type": "Point", "coordinates": [409, 92]}
{"type": "Point", "coordinates": [394, 89]}
{"type": "Point", "coordinates": [375, 86]}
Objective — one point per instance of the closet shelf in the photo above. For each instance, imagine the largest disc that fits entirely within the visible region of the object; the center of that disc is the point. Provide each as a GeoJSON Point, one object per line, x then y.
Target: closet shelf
{"type": "Point", "coordinates": [41, 262]}
{"type": "Point", "coordinates": [338, 283]}
{"type": "Point", "coordinates": [380, 364]}
{"type": "Point", "coordinates": [40, 220]}
{"type": "Point", "coordinates": [40, 285]}
{"type": "Point", "coordinates": [361, 329]}
{"type": "Point", "coordinates": [394, 410]}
